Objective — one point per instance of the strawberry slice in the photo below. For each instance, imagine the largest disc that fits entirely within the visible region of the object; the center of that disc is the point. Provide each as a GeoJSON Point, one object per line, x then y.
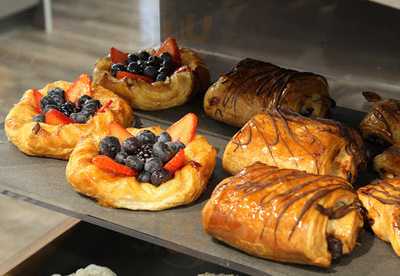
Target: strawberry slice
{"type": "Point", "coordinates": [118, 56]}
{"type": "Point", "coordinates": [119, 131]}
{"type": "Point", "coordinates": [37, 96]}
{"type": "Point", "coordinates": [170, 46]}
{"type": "Point", "coordinates": [122, 74]}
{"type": "Point", "coordinates": [184, 130]}
{"type": "Point", "coordinates": [177, 162]}
{"type": "Point", "coordinates": [55, 117]}
{"type": "Point", "coordinates": [106, 106]}
{"type": "Point", "coordinates": [107, 164]}
{"type": "Point", "coordinates": [81, 86]}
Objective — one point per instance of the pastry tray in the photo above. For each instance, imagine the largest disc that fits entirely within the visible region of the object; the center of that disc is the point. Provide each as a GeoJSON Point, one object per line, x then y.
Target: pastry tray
{"type": "Point", "coordinates": [42, 181]}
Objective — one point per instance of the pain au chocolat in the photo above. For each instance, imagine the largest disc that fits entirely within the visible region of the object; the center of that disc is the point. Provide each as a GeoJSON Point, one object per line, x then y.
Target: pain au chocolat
{"type": "Point", "coordinates": [285, 215]}
{"type": "Point", "coordinates": [381, 199]}
{"type": "Point", "coordinates": [286, 140]}
{"type": "Point", "coordinates": [254, 86]}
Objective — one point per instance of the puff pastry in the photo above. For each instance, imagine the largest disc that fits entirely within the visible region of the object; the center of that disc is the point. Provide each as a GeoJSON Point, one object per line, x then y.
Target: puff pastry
{"type": "Point", "coordinates": [287, 140]}
{"type": "Point", "coordinates": [174, 91]}
{"type": "Point", "coordinates": [57, 141]}
{"type": "Point", "coordinates": [126, 192]}
{"type": "Point", "coordinates": [254, 86]}
{"type": "Point", "coordinates": [387, 163]}
{"type": "Point", "coordinates": [285, 215]}
{"type": "Point", "coordinates": [381, 199]}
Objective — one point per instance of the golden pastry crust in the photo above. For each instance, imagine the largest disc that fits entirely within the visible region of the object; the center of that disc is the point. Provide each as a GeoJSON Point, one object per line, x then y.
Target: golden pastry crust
{"type": "Point", "coordinates": [126, 192]}
{"type": "Point", "coordinates": [174, 91]}
{"type": "Point", "coordinates": [254, 86]}
{"type": "Point", "coordinates": [387, 163]}
{"type": "Point", "coordinates": [285, 215]}
{"type": "Point", "coordinates": [381, 199]}
{"type": "Point", "coordinates": [57, 141]}
{"type": "Point", "coordinates": [287, 140]}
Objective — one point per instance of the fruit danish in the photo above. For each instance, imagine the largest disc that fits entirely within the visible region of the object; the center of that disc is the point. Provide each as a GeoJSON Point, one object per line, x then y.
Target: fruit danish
{"type": "Point", "coordinates": [143, 169]}
{"type": "Point", "coordinates": [156, 79]}
{"type": "Point", "coordinates": [285, 215]}
{"type": "Point", "coordinates": [254, 86]}
{"type": "Point", "coordinates": [381, 199]}
{"type": "Point", "coordinates": [287, 140]}
{"type": "Point", "coordinates": [49, 122]}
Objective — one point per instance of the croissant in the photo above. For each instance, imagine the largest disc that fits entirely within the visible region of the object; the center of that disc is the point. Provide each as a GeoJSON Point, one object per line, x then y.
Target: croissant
{"type": "Point", "coordinates": [381, 199]}
{"type": "Point", "coordinates": [254, 86]}
{"type": "Point", "coordinates": [287, 140]}
{"type": "Point", "coordinates": [285, 215]}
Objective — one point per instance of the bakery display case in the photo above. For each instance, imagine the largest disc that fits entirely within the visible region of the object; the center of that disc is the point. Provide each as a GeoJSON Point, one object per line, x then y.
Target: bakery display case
{"type": "Point", "coordinates": [292, 61]}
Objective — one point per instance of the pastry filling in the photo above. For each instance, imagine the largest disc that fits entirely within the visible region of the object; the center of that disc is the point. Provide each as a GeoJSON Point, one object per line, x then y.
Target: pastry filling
{"type": "Point", "coordinates": [335, 247]}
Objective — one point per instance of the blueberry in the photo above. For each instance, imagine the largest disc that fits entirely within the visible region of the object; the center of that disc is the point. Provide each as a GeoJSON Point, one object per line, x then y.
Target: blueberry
{"type": "Point", "coordinates": [110, 146]}
{"type": "Point", "coordinates": [134, 162]}
{"type": "Point", "coordinates": [153, 164]}
{"type": "Point", "coordinates": [38, 118]}
{"type": "Point", "coordinates": [117, 67]}
{"type": "Point", "coordinates": [82, 100]}
{"type": "Point", "coordinates": [161, 77]}
{"type": "Point", "coordinates": [162, 151]}
{"type": "Point", "coordinates": [135, 68]}
{"type": "Point", "coordinates": [120, 157]}
{"type": "Point", "coordinates": [153, 60]}
{"type": "Point", "coordinates": [150, 71]}
{"type": "Point", "coordinates": [145, 152]}
{"type": "Point", "coordinates": [59, 92]}
{"type": "Point", "coordinates": [48, 107]}
{"type": "Point", "coordinates": [166, 57]}
{"type": "Point", "coordinates": [80, 117]}
{"type": "Point", "coordinates": [146, 137]}
{"type": "Point", "coordinates": [67, 108]}
{"type": "Point", "coordinates": [143, 55]}
{"type": "Point", "coordinates": [91, 106]}
{"type": "Point", "coordinates": [168, 65]}
{"type": "Point", "coordinates": [47, 101]}
{"type": "Point", "coordinates": [160, 176]}
{"type": "Point", "coordinates": [144, 177]}
{"type": "Point", "coordinates": [132, 57]}
{"type": "Point", "coordinates": [175, 146]}
{"type": "Point", "coordinates": [164, 137]}
{"type": "Point", "coordinates": [131, 145]}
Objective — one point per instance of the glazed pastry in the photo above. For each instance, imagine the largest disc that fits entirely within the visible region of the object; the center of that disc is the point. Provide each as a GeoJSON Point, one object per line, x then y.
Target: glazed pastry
{"type": "Point", "coordinates": [382, 124]}
{"type": "Point", "coordinates": [50, 122]}
{"type": "Point", "coordinates": [143, 169]}
{"type": "Point", "coordinates": [285, 215]}
{"type": "Point", "coordinates": [387, 163]}
{"type": "Point", "coordinates": [254, 86]}
{"type": "Point", "coordinates": [381, 199]}
{"type": "Point", "coordinates": [287, 140]}
{"type": "Point", "coordinates": [153, 80]}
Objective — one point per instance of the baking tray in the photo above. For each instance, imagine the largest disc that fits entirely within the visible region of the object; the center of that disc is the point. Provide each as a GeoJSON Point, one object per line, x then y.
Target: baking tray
{"type": "Point", "coordinates": [42, 182]}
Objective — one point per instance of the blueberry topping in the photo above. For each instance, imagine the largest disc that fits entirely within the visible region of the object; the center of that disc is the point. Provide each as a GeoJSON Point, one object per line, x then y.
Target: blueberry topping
{"type": "Point", "coordinates": [153, 164]}
{"type": "Point", "coordinates": [47, 101]}
{"type": "Point", "coordinates": [82, 100]}
{"type": "Point", "coordinates": [143, 55]}
{"type": "Point", "coordinates": [110, 146]}
{"type": "Point", "coordinates": [131, 145]}
{"type": "Point", "coordinates": [153, 60]}
{"type": "Point", "coordinates": [145, 152]}
{"type": "Point", "coordinates": [150, 71]}
{"type": "Point", "coordinates": [162, 151]}
{"type": "Point", "coordinates": [144, 177]}
{"type": "Point", "coordinates": [121, 157]}
{"type": "Point", "coordinates": [38, 118]}
{"type": "Point", "coordinates": [91, 106]}
{"type": "Point", "coordinates": [134, 162]}
{"type": "Point", "coordinates": [146, 137]}
{"type": "Point", "coordinates": [48, 107]}
{"type": "Point", "coordinates": [175, 146]}
{"type": "Point", "coordinates": [161, 77]}
{"type": "Point", "coordinates": [132, 57]}
{"type": "Point", "coordinates": [80, 117]}
{"type": "Point", "coordinates": [164, 137]}
{"type": "Point", "coordinates": [135, 68]}
{"type": "Point", "coordinates": [166, 57]}
{"type": "Point", "coordinates": [67, 108]}
{"type": "Point", "coordinates": [56, 92]}
{"type": "Point", "coordinates": [160, 176]}
{"type": "Point", "coordinates": [117, 67]}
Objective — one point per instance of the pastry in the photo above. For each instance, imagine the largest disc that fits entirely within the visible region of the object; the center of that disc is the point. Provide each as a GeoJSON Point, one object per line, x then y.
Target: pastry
{"type": "Point", "coordinates": [381, 199]}
{"type": "Point", "coordinates": [380, 125]}
{"type": "Point", "coordinates": [387, 163]}
{"type": "Point", "coordinates": [155, 79]}
{"type": "Point", "coordinates": [49, 122]}
{"type": "Point", "coordinates": [285, 215]}
{"type": "Point", "coordinates": [143, 169]}
{"type": "Point", "coordinates": [287, 140]}
{"type": "Point", "coordinates": [254, 86]}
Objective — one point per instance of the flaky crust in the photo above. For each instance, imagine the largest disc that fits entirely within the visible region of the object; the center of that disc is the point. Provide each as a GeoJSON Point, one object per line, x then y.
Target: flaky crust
{"type": "Point", "coordinates": [387, 163]}
{"type": "Point", "coordinates": [174, 91]}
{"type": "Point", "coordinates": [287, 140]}
{"type": "Point", "coordinates": [254, 86]}
{"type": "Point", "coordinates": [126, 192]}
{"type": "Point", "coordinates": [381, 199]}
{"type": "Point", "coordinates": [284, 215]}
{"type": "Point", "coordinates": [57, 141]}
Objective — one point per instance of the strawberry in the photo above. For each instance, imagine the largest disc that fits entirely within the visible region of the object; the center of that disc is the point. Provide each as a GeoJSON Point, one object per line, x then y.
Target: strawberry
{"type": "Point", "coordinates": [81, 86]}
{"type": "Point", "coordinates": [118, 56]}
{"type": "Point", "coordinates": [119, 131]}
{"type": "Point", "coordinates": [37, 96]}
{"type": "Point", "coordinates": [122, 74]}
{"type": "Point", "coordinates": [184, 130]}
{"type": "Point", "coordinates": [105, 106]}
{"type": "Point", "coordinates": [108, 164]}
{"type": "Point", "coordinates": [182, 69]}
{"type": "Point", "coordinates": [170, 46]}
{"type": "Point", "coordinates": [177, 162]}
{"type": "Point", "coordinates": [55, 117]}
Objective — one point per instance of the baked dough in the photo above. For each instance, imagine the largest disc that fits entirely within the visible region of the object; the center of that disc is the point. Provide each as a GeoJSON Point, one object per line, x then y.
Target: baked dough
{"type": "Point", "coordinates": [285, 215]}
{"type": "Point", "coordinates": [57, 141]}
{"type": "Point", "coordinates": [126, 192]}
{"type": "Point", "coordinates": [287, 140]}
{"type": "Point", "coordinates": [387, 163]}
{"type": "Point", "coordinates": [174, 91]}
{"type": "Point", "coordinates": [254, 86]}
{"type": "Point", "coordinates": [381, 199]}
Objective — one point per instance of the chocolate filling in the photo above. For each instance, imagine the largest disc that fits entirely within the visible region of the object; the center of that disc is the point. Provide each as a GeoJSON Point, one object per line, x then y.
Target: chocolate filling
{"type": "Point", "coordinates": [335, 247]}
